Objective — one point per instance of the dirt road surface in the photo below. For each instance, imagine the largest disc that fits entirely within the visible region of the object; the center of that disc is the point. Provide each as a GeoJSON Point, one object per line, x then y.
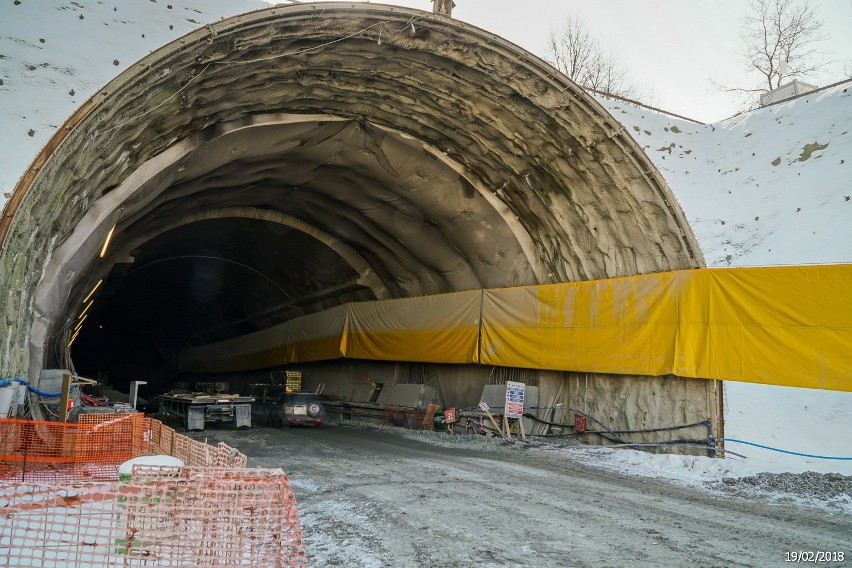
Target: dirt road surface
{"type": "Point", "coordinates": [382, 497]}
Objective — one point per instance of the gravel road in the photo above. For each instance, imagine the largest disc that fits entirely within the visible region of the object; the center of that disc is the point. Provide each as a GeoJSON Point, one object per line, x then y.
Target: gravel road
{"type": "Point", "coordinates": [381, 497]}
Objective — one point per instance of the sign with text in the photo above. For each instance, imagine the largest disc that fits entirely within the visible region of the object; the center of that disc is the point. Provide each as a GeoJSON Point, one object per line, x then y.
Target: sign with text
{"type": "Point", "coordinates": [514, 399]}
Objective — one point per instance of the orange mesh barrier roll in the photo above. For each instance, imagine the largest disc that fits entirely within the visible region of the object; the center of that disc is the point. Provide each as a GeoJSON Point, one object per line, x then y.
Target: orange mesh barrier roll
{"type": "Point", "coordinates": [92, 449]}
{"type": "Point", "coordinates": [191, 516]}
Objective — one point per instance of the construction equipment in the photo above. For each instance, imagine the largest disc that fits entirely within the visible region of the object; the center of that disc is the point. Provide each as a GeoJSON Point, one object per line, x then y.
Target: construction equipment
{"type": "Point", "coordinates": [286, 404]}
{"type": "Point", "coordinates": [196, 409]}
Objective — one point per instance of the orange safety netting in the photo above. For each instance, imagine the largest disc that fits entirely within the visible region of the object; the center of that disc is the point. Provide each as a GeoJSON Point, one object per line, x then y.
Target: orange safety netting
{"type": "Point", "coordinates": [191, 516]}
{"type": "Point", "coordinates": [93, 449]}
{"type": "Point", "coordinates": [62, 504]}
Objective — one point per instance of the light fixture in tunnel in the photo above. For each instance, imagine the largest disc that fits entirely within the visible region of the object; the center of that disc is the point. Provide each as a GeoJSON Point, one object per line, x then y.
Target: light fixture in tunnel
{"type": "Point", "coordinates": [86, 309]}
{"type": "Point", "coordinates": [106, 242]}
{"type": "Point", "coordinates": [90, 294]}
{"type": "Point", "coordinates": [73, 337]}
{"type": "Point", "coordinates": [80, 323]}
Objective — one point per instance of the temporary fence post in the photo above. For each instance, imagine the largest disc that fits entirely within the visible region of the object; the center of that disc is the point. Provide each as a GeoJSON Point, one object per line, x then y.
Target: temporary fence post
{"type": "Point", "coordinates": [63, 398]}
{"type": "Point", "coordinates": [24, 429]}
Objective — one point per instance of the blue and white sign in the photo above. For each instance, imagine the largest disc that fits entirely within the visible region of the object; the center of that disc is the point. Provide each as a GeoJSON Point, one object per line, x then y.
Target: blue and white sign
{"type": "Point", "coordinates": [514, 399]}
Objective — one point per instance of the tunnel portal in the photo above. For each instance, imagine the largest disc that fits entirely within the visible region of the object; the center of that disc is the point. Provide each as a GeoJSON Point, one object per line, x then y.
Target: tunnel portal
{"type": "Point", "coordinates": [290, 160]}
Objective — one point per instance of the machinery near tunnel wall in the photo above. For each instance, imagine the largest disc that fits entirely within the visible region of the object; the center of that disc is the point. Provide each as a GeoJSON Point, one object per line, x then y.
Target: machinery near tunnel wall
{"type": "Point", "coordinates": [290, 161]}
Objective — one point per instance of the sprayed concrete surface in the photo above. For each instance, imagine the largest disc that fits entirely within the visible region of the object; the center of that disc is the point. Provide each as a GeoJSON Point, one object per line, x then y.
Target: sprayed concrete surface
{"type": "Point", "coordinates": [388, 497]}
{"type": "Point", "coordinates": [347, 136]}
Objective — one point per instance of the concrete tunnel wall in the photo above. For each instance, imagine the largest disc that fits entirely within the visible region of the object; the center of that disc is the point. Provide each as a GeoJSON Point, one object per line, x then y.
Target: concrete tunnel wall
{"type": "Point", "coordinates": [292, 159]}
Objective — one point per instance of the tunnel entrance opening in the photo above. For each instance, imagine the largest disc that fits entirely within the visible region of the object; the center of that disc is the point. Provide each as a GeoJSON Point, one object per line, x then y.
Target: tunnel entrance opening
{"type": "Point", "coordinates": [204, 282]}
{"type": "Point", "coordinates": [375, 157]}
{"type": "Point", "coordinates": [262, 224]}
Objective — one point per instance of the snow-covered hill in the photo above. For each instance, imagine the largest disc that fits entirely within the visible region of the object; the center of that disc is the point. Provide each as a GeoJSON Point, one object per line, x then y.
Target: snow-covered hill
{"type": "Point", "coordinates": [765, 188]}
{"type": "Point", "coordinates": [55, 54]}
{"type": "Point", "coordinates": [768, 187]}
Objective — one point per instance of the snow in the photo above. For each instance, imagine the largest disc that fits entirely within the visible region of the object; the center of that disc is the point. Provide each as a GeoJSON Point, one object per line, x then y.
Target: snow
{"type": "Point", "coordinates": [164, 461]}
{"type": "Point", "coordinates": [754, 196]}
{"type": "Point", "coordinates": [34, 539]}
{"type": "Point", "coordinates": [704, 473]}
{"type": "Point", "coordinates": [744, 209]}
{"type": "Point", "coordinates": [769, 187]}
{"type": "Point", "coordinates": [52, 61]}
{"type": "Point", "coordinates": [344, 545]}
{"type": "Point", "coordinates": [741, 474]}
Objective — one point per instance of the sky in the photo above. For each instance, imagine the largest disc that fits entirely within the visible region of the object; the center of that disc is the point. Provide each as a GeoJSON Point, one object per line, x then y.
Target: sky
{"type": "Point", "coordinates": [671, 48]}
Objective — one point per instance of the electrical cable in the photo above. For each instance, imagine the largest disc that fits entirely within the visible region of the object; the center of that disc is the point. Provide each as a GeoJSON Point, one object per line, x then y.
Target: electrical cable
{"type": "Point", "coordinates": [704, 447]}
{"type": "Point", "coordinates": [32, 389]}
{"type": "Point", "coordinates": [642, 431]}
{"type": "Point", "coordinates": [613, 435]}
{"type": "Point", "coordinates": [92, 401]}
{"type": "Point", "coordinates": [735, 441]}
{"type": "Point", "coordinates": [601, 424]}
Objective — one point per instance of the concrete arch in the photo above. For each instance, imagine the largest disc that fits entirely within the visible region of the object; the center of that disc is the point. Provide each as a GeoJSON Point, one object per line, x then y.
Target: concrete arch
{"type": "Point", "coordinates": [351, 256]}
{"type": "Point", "coordinates": [442, 155]}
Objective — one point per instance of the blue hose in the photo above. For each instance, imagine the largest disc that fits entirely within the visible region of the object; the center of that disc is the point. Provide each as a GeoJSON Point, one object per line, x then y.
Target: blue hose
{"type": "Point", "coordinates": [4, 382]}
{"type": "Point", "coordinates": [782, 451]}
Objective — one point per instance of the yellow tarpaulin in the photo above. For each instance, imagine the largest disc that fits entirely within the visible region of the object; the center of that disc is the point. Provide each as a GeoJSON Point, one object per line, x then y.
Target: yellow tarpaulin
{"type": "Point", "coordinates": [316, 337]}
{"type": "Point", "coordinates": [788, 326]}
{"type": "Point", "coordinates": [782, 325]}
{"type": "Point", "coordinates": [437, 329]}
{"type": "Point", "coordinates": [434, 329]}
{"type": "Point", "coordinates": [622, 326]}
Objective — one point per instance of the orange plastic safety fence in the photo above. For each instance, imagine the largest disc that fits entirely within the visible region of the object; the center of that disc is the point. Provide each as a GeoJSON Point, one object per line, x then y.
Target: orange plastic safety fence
{"type": "Point", "coordinates": [164, 440]}
{"type": "Point", "coordinates": [191, 516]}
{"type": "Point", "coordinates": [53, 451]}
{"type": "Point", "coordinates": [93, 449]}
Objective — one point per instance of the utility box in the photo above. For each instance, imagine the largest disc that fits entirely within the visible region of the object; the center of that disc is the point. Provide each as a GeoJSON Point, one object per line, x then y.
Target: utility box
{"type": "Point", "coordinates": [579, 423]}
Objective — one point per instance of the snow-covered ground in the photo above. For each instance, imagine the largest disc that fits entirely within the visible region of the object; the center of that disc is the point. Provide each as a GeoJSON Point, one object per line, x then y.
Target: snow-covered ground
{"type": "Point", "coordinates": [740, 475]}
{"type": "Point", "coordinates": [769, 187]}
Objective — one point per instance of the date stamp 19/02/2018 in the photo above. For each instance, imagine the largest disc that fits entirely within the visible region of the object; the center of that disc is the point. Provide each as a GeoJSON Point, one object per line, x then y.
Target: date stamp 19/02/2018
{"type": "Point", "coordinates": [813, 556]}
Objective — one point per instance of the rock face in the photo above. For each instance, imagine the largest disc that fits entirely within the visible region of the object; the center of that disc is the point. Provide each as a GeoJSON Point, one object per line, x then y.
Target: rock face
{"type": "Point", "coordinates": [292, 159]}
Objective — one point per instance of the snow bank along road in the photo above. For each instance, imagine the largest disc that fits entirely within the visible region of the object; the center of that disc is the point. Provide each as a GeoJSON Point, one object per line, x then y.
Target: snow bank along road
{"type": "Point", "coordinates": [386, 497]}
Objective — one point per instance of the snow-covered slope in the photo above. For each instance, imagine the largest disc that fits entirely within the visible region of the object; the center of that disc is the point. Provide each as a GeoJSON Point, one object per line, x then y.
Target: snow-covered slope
{"type": "Point", "coordinates": [55, 54]}
{"type": "Point", "coordinates": [764, 188]}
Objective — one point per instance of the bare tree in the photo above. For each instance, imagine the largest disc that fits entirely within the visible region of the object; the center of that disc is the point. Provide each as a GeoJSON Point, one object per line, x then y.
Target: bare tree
{"type": "Point", "coordinates": [779, 38]}
{"type": "Point", "coordinates": [576, 53]}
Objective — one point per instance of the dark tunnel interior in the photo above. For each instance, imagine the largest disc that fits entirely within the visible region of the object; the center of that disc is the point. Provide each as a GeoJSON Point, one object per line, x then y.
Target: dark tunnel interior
{"type": "Point", "coordinates": [201, 283]}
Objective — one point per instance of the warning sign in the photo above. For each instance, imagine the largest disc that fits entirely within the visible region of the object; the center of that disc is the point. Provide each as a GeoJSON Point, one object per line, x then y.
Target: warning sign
{"type": "Point", "coordinates": [514, 399]}
{"type": "Point", "coordinates": [450, 416]}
